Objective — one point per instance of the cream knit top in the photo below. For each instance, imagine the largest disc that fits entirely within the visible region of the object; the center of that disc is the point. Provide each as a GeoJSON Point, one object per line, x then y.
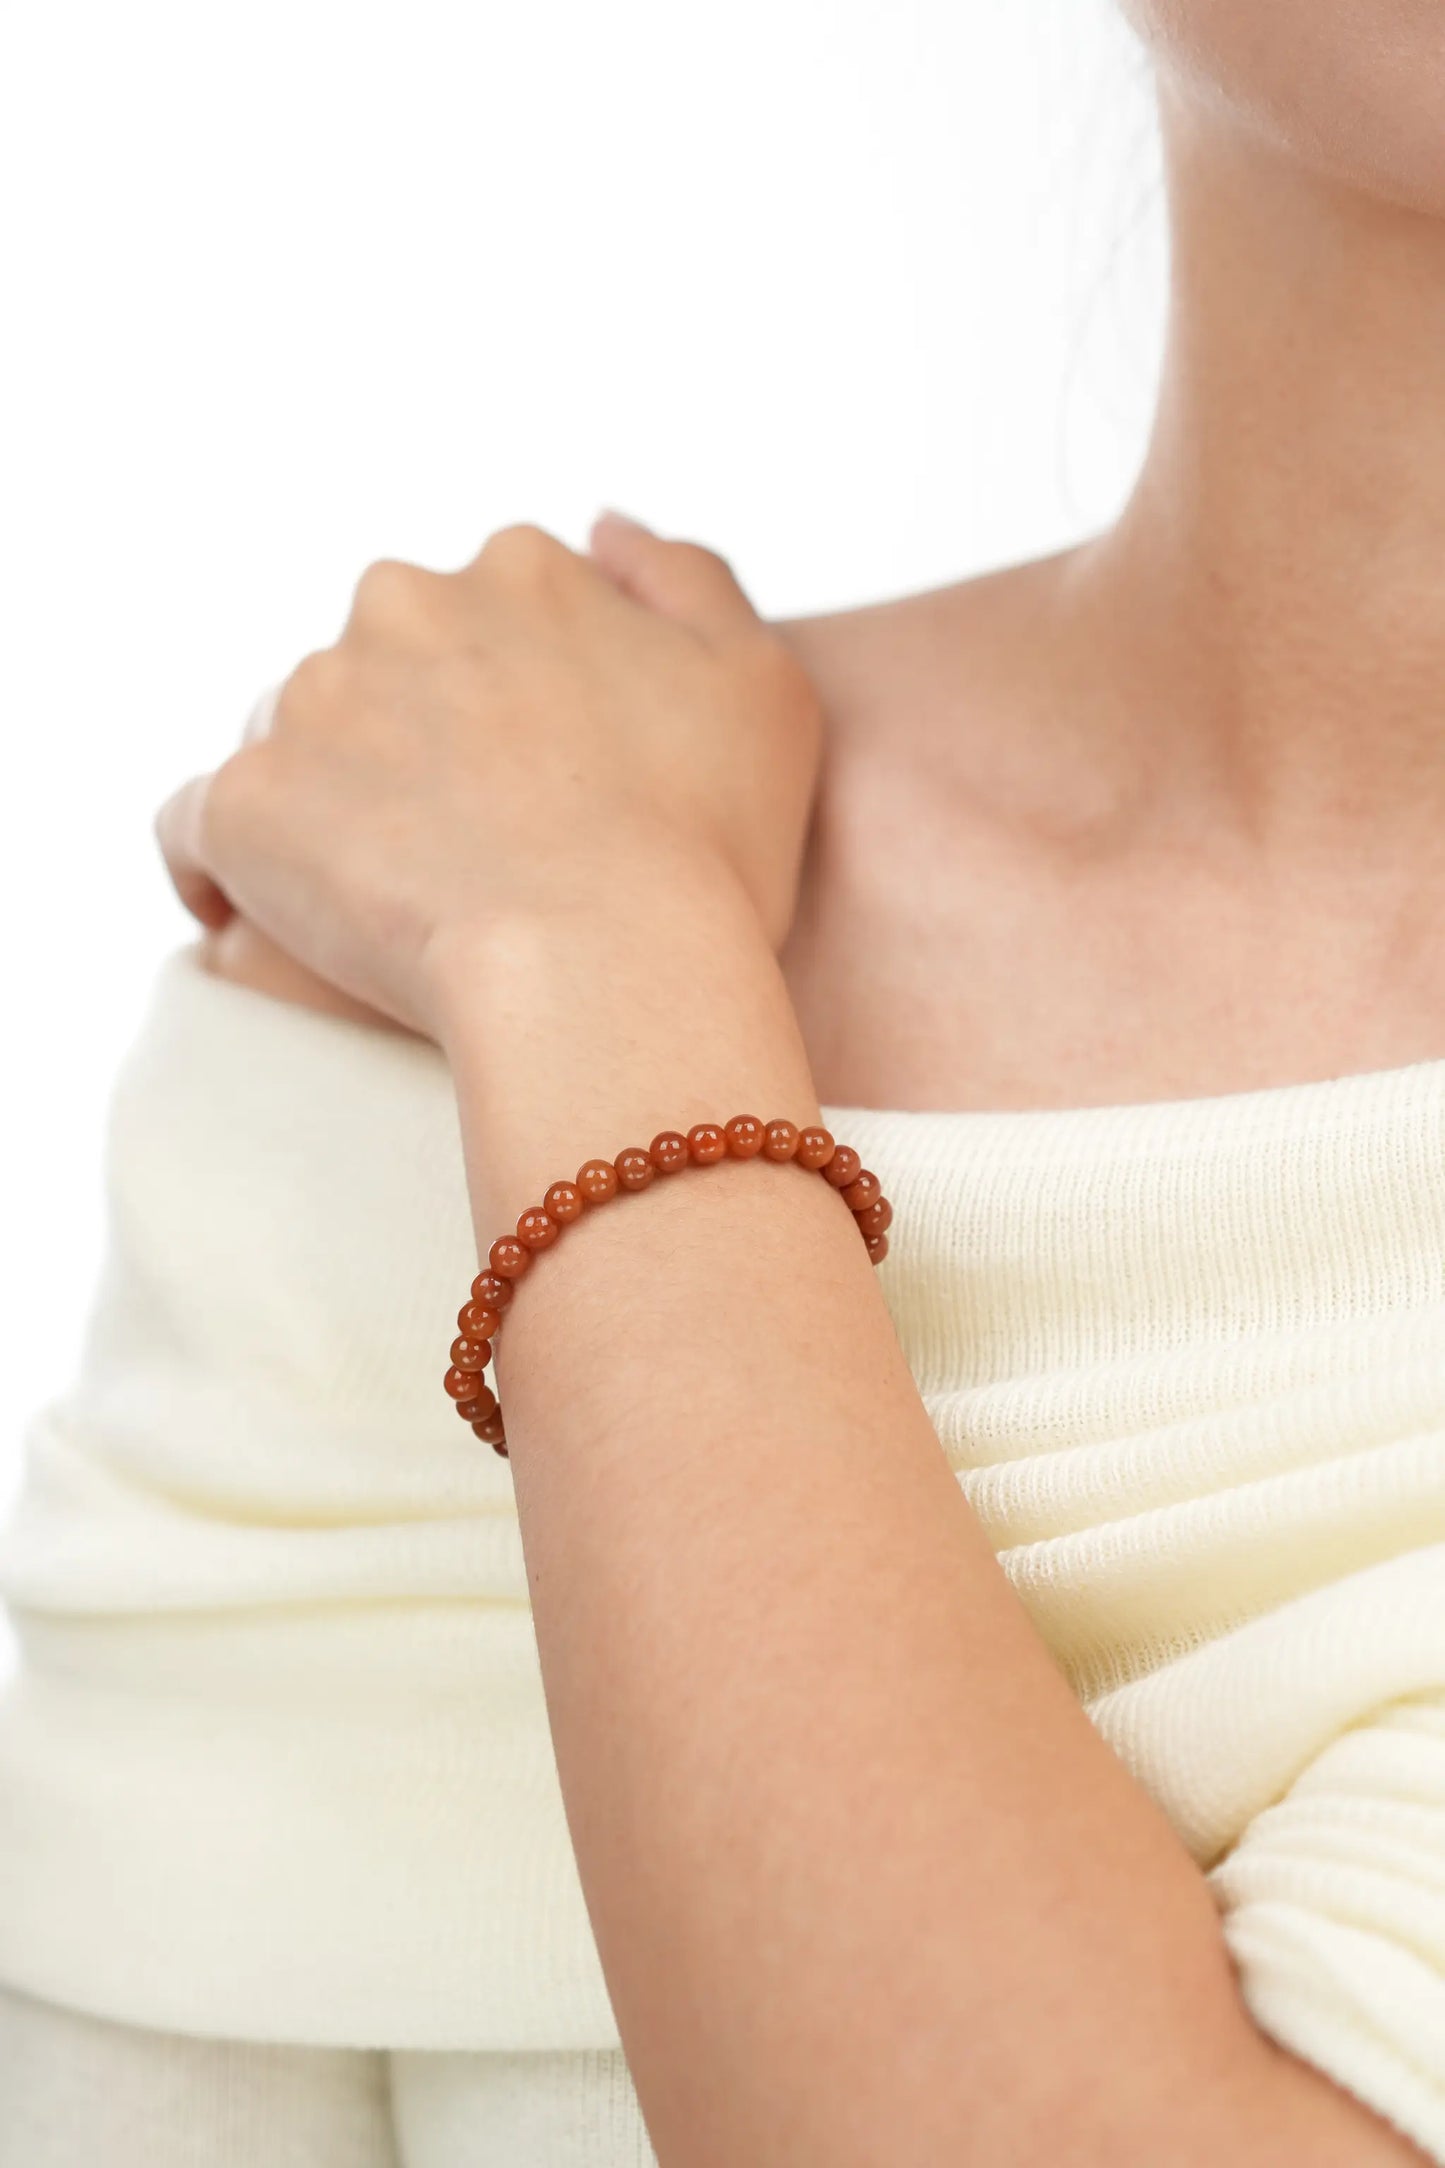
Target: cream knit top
{"type": "Point", "coordinates": [275, 1762]}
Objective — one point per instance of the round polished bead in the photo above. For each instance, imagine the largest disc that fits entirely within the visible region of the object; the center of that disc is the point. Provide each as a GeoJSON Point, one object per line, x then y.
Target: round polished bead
{"type": "Point", "coordinates": [476, 1322]}
{"type": "Point", "coordinates": [844, 1167]}
{"type": "Point", "coordinates": [877, 1248]}
{"type": "Point", "coordinates": [780, 1140]}
{"type": "Point", "coordinates": [536, 1228]}
{"type": "Point", "coordinates": [460, 1384]}
{"type": "Point", "coordinates": [563, 1203]}
{"type": "Point", "coordinates": [706, 1143]}
{"type": "Point", "coordinates": [634, 1168]}
{"type": "Point", "coordinates": [480, 1405]}
{"type": "Point", "coordinates": [508, 1257]}
{"type": "Point", "coordinates": [597, 1181]}
{"type": "Point", "coordinates": [491, 1290]}
{"type": "Point", "coordinates": [745, 1136]}
{"type": "Point", "coordinates": [815, 1147]}
{"type": "Point", "coordinates": [668, 1151]}
{"type": "Point", "coordinates": [876, 1219]}
{"type": "Point", "coordinates": [863, 1190]}
{"type": "Point", "coordinates": [492, 1430]}
{"type": "Point", "coordinates": [471, 1354]}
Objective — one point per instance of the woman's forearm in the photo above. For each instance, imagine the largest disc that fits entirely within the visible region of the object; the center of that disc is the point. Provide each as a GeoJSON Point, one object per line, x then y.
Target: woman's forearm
{"type": "Point", "coordinates": [865, 1882]}
{"type": "Point", "coordinates": [867, 1885]}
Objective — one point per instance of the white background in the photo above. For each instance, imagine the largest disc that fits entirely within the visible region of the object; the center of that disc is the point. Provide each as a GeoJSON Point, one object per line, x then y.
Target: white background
{"type": "Point", "coordinates": [865, 295]}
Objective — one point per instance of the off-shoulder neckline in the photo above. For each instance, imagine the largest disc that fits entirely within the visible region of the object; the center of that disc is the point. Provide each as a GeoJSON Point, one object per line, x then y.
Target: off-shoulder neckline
{"type": "Point", "coordinates": [1308, 1100]}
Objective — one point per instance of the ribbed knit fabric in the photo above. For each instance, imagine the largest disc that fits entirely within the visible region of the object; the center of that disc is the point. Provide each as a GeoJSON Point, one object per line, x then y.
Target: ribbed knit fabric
{"type": "Point", "coordinates": [78, 2091]}
{"type": "Point", "coordinates": [276, 1763]}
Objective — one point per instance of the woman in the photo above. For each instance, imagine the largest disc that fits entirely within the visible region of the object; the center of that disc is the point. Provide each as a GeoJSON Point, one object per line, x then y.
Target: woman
{"type": "Point", "coordinates": [1130, 860]}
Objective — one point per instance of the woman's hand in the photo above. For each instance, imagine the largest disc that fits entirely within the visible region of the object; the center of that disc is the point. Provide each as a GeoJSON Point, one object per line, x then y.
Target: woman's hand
{"type": "Point", "coordinates": [536, 734]}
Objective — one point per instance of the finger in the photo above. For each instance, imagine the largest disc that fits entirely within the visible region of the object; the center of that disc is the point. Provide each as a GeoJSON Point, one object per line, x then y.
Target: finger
{"type": "Point", "coordinates": [681, 580]}
{"type": "Point", "coordinates": [525, 568]}
{"type": "Point", "coordinates": [177, 831]}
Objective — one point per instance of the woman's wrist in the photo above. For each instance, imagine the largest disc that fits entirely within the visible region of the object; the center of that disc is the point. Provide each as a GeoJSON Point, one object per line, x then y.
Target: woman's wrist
{"type": "Point", "coordinates": [653, 1002]}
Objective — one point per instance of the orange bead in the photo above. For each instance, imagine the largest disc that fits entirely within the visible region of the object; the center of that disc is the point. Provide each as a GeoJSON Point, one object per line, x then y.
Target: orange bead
{"type": "Point", "coordinates": [876, 1219]}
{"type": "Point", "coordinates": [491, 1290]}
{"type": "Point", "coordinates": [877, 1248]}
{"type": "Point", "coordinates": [537, 1229]}
{"type": "Point", "coordinates": [508, 1257]}
{"type": "Point", "coordinates": [563, 1203]}
{"type": "Point", "coordinates": [844, 1167]}
{"type": "Point", "coordinates": [471, 1354]}
{"type": "Point", "coordinates": [597, 1181]}
{"type": "Point", "coordinates": [479, 1406]}
{"type": "Point", "coordinates": [668, 1151]}
{"type": "Point", "coordinates": [477, 1322]}
{"type": "Point", "coordinates": [634, 1168]}
{"type": "Point", "coordinates": [863, 1190]}
{"type": "Point", "coordinates": [745, 1136]}
{"type": "Point", "coordinates": [706, 1143]}
{"type": "Point", "coordinates": [461, 1384]}
{"type": "Point", "coordinates": [815, 1147]}
{"type": "Point", "coordinates": [492, 1430]}
{"type": "Point", "coordinates": [780, 1141]}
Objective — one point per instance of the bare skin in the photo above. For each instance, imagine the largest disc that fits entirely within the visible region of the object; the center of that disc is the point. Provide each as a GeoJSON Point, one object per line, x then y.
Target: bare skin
{"type": "Point", "coordinates": [1156, 818]}
{"type": "Point", "coordinates": [1162, 816]}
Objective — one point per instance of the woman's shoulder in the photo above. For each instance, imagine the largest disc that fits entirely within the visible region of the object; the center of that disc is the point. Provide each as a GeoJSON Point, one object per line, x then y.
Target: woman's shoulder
{"type": "Point", "coordinates": [925, 666]}
{"type": "Point", "coordinates": [975, 655]}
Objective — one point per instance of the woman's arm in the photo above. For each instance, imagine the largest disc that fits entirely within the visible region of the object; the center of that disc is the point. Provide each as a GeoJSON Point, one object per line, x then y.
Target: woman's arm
{"type": "Point", "coordinates": [866, 1884]}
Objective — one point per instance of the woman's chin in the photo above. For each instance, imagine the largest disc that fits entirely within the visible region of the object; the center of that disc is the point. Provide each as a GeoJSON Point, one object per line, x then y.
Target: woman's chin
{"type": "Point", "coordinates": [1353, 94]}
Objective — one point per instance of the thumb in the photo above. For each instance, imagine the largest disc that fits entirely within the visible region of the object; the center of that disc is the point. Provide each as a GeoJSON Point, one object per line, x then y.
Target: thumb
{"type": "Point", "coordinates": [681, 580]}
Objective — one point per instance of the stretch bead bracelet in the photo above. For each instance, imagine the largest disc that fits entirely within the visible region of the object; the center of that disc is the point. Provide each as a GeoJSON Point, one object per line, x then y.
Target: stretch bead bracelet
{"type": "Point", "coordinates": [597, 1183]}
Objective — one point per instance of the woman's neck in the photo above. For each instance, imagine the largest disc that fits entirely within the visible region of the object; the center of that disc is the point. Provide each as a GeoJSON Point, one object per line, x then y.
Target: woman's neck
{"type": "Point", "coordinates": [1276, 584]}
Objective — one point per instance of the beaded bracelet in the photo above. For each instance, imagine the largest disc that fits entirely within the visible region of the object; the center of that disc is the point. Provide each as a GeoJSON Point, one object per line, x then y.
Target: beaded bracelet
{"type": "Point", "coordinates": [597, 1183]}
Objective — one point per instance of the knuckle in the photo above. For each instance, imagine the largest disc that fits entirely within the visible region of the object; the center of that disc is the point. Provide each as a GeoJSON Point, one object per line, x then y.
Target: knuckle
{"type": "Point", "coordinates": [392, 592]}
{"type": "Point", "coordinates": [705, 563]}
{"type": "Point", "coordinates": [384, 581]}
{"type": "Point", "coordinates": [523, 554]}
{"type": "Point", "coordinates": [701, 571]}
